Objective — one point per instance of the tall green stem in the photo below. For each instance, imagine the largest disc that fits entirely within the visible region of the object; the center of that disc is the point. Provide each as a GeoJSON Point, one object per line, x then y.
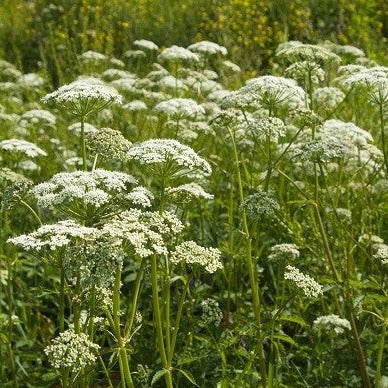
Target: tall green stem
{"type": "Point", "coordinates": [158, 322]}
{"type": "Point", "coordinates": [177, 321]}
{"type": "Point", "coordinates": [132, 310]}
{"type": "Point", "coordinates": [251, 264]}
{"type": "Point", "coordinates": [61, 319]}
{"type": "Point", "coordinates": [125, 373]}
{"type": "Point", "coordinates": [380, 355]}
{"type": "Point", "coordinates": [382, 130]}
{"type": "Point", "coordinates": [83, 144]}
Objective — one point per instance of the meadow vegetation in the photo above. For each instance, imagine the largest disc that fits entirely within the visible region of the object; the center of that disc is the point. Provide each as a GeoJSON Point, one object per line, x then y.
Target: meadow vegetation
{"type": "Point", "coordinates": [189, 201]}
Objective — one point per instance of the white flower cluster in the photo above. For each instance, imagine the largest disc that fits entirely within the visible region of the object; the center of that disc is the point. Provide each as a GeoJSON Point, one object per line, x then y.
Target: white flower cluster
{"type": "Point", "coordinates": [22, 147]}
{"type": "Point", "coordinates": [328, 322]}
{"type": "Point", "coordinates": [370, 239]}
{"type": "Point", "coordinates": [37, 116]}
{"type": "Point", "coordinates": [284, 251]}
{"type": "Point", "coordinates": [135, 54]}
{"type": "Point", "coordinates": [178, 158]}
{"type": "Point", "coordinates": [108, 143]}
{"type": "Point", "coordinates": [124, 85]}
{"type": "Point", "coordinates": [135, 106]}
{"type": "Point", "coordinates": [72, 351]}
{"type": "Point", "coordinates": [191, 253]}
{"type": "Point", "coordinates": [92, 57]}
{"type": "Point", "coordinates": [327, 98]}
{"type": "Point", "coordinates": [177, 54]}
{"type": "Point", "coordinates": [368, 77]}
{"type": "Point", "coordinates": [96, 262]}
{"type": "Point", "coordinates": [95, 188]}
{"type": "Point", "coordinates": [306, 73]}
{"type": "Point", "coordinates": [211, 312]}
{"type": "Point", "coordinates": [113, 74]}
{"type": "Point", "coordinates": [218, 95]}
{"type": "Point", "coordinates": [170, 82]}
{"type": "Point", "coordinates": [76, 127]}
{"type": "Point", "coordinates": [188, 192]}
{"type": "Point", "coordinates": [54, 236]}
{"type": "Point", "coordinates": [306, 283]}
{"type": "Point", "coordinates": [307, 52]}
{"type": "Point", "coordinates": [144, 44]}
{"type": "Point", "coordinates": [208, 48]}
{"type": "Point", "coordinates": [349, 133]}
{"type": "Point", "coordinates": [84, 96]}
{"type": "Point", "coordinates": [381, 253]}
{"type": "Point", "coordinates": [141, 196]}
{"type": "Point", "coordinates": [179, 107]}
{"type": "Point", "coordinates": [263, 127]}
{"type": "Point", "coordinates": [345, 50]}
{"type": "Point", "coordinates": [271, 91]}
{"type": "Point", "coordinates": [144, 231]}
{"type": "Point", "coordinates": [31, 80]}
{"type": "Point", "coordinates": [231, 67]}
{"type": "Point", "coordinates": [260, 205]}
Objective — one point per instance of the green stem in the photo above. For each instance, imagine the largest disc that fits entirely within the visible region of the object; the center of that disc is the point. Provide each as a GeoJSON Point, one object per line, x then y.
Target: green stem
{"type": "Point", "coordinates": [106, 372]}
{"type": "Point", "coordinates": [177, 321]}
{"type": "Point", "coordinates": [61, 318]}
{"type": "Point", "coordinates": [251, 264]}
{"type": "Point", "coordinates": [382, 129]}
{"type": "Point", "coordinates": [83, 143]}
{"type": "Point", "coordinates": [158, 321]}
{"type": "Point", "coordinates": [77, 307]}
{"type": "Point", "coordinates": [380, 355]}
{"type": "Point", "coordinates": [360, 352]}
{"type": "Point", "coordinates": [125, 373]}
{"type": "Point", "coordinates": [132, 310]}
{"type": "Point", "coordinates": [33, 212]}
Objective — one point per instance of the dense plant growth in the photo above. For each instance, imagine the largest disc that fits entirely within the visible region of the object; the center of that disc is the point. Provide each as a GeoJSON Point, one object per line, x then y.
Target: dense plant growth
{"type": "Point", "coordinates": [161, 226]}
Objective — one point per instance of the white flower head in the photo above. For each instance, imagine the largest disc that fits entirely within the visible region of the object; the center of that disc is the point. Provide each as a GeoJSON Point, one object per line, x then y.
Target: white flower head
{"type": "Point", "coordinates": [84, 96]}
{"type": "Point", "coordinates": [94, 188]}
{"type": "Point", "coordinates": [19, 146]}
{"type": "Point", "coordinates": [305, 282]}
{"type": "Point", "coordinates": [271, 91]}
{"type": "Point", "coordinates": [180, 107]}
{"type": "Point", "coordinates": [308, 52]}
{"type": "Point", "coordinates": [284, 251]}
{"type": "Point", "coordinates": [76, 128]}
{"type": "Point", "coordinates": [54, 236]}
{"type": "Point", "coordinates": [191, 253]}
{"type": "Point", "coordinates": [72, 351]}
{"type": "Point", "coordinates": [332, 322]}
{"type": "Point", "coordinates": [168, 157]}
{"type": "Point", "coordinates": [208, 48]}
{"type": "Point", "coordinates": [177, 54]}
{"type": "Point", "coordinates": [37, 117]}
{"type": "Point", "coordinates": [188, 192]}
{"type": "Point", "coordinates": [135, 106]}
{"type": "Point", "coordinates": [146, 45]}
{"type": "Point", "coordinates": [144, 232]}
{"type": "Point", "coordinates": [109, 143]}
{"type": "Point", "coordinates": [141, 196]}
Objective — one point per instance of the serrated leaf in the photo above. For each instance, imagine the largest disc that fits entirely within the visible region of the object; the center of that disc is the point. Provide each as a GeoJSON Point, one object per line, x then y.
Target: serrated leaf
{"type": "Point", "coordinates": [285, 338]}
{"type": "Point", "coordinates": [358, 300]}
{"type": "Point", "coordinates": [158, 375]}
{"type": "Point", "coordinates": [291, 318]}
{"type": "Point", "coordinates": [188, 376]}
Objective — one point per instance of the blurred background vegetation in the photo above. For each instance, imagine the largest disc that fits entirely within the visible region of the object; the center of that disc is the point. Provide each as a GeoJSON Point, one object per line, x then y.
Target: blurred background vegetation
{"type": "Point", "coordinates": [49, 34]}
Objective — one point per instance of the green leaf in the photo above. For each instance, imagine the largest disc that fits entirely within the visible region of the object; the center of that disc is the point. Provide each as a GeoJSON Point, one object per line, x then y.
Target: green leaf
{"type": "Point", "coordinates": [188, 376]}
{"type": "Point", "coordinates": [285, 338]}
{"type": "Point", "coordinates": [291, 318]}
{"type": "Point", "coordinates": [158, 375]}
